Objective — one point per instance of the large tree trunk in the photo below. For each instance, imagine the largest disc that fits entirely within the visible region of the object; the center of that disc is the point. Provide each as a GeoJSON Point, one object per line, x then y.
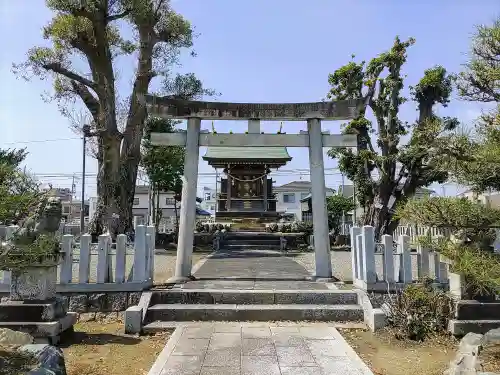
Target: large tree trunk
{"type": "Point", "coordinates": [378, 214]}
{"type": "Point", "coordinates": [116, 186]}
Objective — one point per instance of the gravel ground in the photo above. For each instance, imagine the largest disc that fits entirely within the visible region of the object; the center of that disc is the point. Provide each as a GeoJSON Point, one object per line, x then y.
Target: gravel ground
{"type": "Point", "coordinates": [342, 264]}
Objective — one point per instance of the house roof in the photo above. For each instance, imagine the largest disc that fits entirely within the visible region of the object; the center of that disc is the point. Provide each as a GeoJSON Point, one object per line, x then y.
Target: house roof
{"type": "Point", "coordinates": [258, 154]}
{"type": "Point", "coordinates": [201, 212]}
{"type": "Point", "coordinates": [306, 198]}
{"type": "Point", "coordinates": [299, 186]}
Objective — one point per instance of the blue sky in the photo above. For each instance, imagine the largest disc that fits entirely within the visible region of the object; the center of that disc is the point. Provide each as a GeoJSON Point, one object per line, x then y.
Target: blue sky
{"type": "Point", "coordinates": [248, 50]}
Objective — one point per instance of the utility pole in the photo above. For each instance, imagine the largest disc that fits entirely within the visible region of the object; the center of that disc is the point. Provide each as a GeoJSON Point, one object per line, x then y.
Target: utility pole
{"type": "Point", "coordinates": [86, 133]}
{"type": "Point", "coordinates": [70, 214]}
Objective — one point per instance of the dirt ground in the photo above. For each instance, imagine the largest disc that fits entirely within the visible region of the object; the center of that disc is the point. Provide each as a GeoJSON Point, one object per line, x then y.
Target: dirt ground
{"type": "Point", "coordinates": [101, 348]}
{"type": "Point", "coordinates": [386, 355]}
{"type": "Point", "coordinates": [490, 359]}
{"type": "Point", "coordinates": [12, 362]}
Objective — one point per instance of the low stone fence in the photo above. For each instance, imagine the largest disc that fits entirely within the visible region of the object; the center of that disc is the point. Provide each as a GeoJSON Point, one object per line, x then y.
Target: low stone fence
{"type": "Point", "coordinates": [106, 267]}
{"type": "Point", "coordinates": [397, 263]}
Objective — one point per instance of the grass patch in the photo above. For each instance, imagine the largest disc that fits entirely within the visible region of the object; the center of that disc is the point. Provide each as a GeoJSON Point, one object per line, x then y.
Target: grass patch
{"type": "Point", "coordinates": [386, 355]}
{"type": "Point", "coordinates": [102, 348]}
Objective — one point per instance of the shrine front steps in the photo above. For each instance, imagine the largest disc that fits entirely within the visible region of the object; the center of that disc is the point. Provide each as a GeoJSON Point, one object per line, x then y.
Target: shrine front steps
{"type": "Point", "coordinates": [251, 305]}
{"type": "Point", "coordinates": [251, 241]}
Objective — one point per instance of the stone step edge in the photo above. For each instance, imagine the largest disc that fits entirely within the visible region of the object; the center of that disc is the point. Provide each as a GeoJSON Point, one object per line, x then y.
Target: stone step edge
{"type": "Point", "coordinates": [462, 327]}
{"type": "Point", "coordinates": [250, 247]}
{"type": "Point", "coordinates": [200, 306]}
{"type": "Point", "coordinates": [162, 325]}
{"type": "Point", "coordinates": [259, 291]}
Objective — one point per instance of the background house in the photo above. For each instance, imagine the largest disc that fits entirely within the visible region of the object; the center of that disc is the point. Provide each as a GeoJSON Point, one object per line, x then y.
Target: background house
{"type": "Point", "coordinates": [209, 202]}
{"type": "Point", "coordinates": [142, 208]}
{"type": "Point", "coordinates": [289, 195]}
{"type": "Point", "coordinates": [491, 198]}
{"type": "Point", "coordinates": [71, 208]}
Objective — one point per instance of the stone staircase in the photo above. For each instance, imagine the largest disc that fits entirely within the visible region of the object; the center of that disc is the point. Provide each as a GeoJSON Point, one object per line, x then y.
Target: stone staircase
{"type": "Point", "coordinates": [174, 305]}
{"type": "Point", "coordinates": [250, 241]}
{"type": "Point", "coordinates": [475, 316]}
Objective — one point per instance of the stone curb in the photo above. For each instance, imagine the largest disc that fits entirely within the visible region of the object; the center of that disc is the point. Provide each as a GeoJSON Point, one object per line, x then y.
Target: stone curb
{"type": "Point", "coordinates": [375, 318]}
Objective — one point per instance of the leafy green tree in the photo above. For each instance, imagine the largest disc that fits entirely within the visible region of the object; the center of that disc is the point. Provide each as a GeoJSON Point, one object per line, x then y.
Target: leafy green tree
{"type": "Point", "coordinates": [336, 206]}
{"type": "Point", "coordinates": [449, 212]}
{"type": "Point", "coordinates": [19, 192]}
{"type": "Point", "coordinates": [85, 41]}
{"type": "Point", "coordinates": [385, 170]}
{"type": "Point", "coordinates": [479, 164]}
{"type": "Point", "coordinates": [13, 158]}
{"type": "Point", "coordinates": [164, 166]}
{"type": "Point", "coordinates": [480, 80]}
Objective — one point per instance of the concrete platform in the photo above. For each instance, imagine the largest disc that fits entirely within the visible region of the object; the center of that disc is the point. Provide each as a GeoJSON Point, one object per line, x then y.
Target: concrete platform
{"type": "Point", "coordinates": [257, 349]}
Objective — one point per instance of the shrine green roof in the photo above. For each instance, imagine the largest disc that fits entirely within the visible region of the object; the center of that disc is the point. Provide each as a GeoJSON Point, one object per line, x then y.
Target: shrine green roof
{"type": "Point", "coordinates": [247, 153]}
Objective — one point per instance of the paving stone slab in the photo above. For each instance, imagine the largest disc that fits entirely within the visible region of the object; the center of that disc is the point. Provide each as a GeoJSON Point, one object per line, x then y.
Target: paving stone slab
{"type": "Point", "coordinates": [257, 349]}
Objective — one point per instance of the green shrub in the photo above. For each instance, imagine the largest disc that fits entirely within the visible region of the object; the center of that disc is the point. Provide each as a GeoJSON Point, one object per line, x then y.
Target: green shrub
{"type": "Point", "coordinates": [293, 227]}
{"type": "Point", "coordinates": [418, 311]}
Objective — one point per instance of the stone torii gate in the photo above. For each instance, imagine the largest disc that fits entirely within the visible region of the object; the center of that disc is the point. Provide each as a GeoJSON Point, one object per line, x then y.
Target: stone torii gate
{"type": "Point", "coordinates": [314, 139]}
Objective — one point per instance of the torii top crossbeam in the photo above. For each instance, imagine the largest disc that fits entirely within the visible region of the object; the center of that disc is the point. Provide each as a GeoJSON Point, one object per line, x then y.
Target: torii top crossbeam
{"type": "Point", "coordinates": [167, 107]}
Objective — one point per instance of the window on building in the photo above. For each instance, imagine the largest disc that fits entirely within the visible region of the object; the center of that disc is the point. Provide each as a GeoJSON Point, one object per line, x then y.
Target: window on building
{"type": "Point", "coordinates": [169, 201]}
{"type": "Point", "coordinates": [136, 201]}
{"type": "Point", "coordinates": [207, 196]}
{"type": "Point", "coordinates": [303, 195]}
{"type": "Point", "coordinates": [66, 209]}
{"type": "Point", "coordinates": [212, 208]}
{"type": "Point", "coordinates": [288, 198]}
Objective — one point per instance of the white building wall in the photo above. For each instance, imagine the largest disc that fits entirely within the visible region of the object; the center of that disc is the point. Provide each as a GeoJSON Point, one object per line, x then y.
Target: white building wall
{"type": "Point", "coordinates": [209, 202]}
{"type": "Point", "coordinates": [295, 207]}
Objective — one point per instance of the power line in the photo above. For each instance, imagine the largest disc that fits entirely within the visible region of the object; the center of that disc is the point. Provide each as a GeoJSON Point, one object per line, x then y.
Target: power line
{"type": "Point", "coordinates": [41, 141]}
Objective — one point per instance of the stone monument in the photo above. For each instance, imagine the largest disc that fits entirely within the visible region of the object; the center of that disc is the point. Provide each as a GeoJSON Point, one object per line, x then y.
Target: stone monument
{"type": "Point", "coordinates": [32, 256]}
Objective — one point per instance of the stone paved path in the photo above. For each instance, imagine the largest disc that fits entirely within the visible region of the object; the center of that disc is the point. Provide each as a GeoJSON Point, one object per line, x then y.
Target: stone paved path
{"type": "Point", "coordinates": [258, 349]}
{"type": "Point", "coordinates": [239, 348]}
{"type": "Point", "coordinates": [251, 264]}
{"type": "Point", "coordinates": [252, 269]}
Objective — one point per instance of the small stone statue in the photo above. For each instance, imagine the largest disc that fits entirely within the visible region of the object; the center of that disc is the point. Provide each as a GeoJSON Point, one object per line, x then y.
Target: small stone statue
{"type": "Point", "coordinates": [45, 220]}
{"type": "Point", "coordinates": [36, 240]}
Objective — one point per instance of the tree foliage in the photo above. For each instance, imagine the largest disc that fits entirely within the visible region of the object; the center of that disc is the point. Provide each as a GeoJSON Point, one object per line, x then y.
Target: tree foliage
{"type": "Point", "coordinates": [479, 165]}
{"type": "Point", "coordinates": [448, 212]}
{"type": "Point", "coordinates": [336, 206]}
{"type": "Point", "coordinates": [480, 80]}
{"type": "Point", "coordinates": [164, 166]}
{"type": "Point", "coordinates": [19, 192]}
{"type": "Point", "coordinates": [85, 41]}
{"type": "Point", "coordinates": [386, 171]}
